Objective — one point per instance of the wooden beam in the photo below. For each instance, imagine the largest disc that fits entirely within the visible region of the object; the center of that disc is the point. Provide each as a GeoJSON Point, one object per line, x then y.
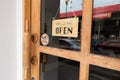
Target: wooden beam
{"type": "Point", "coordinates": [26, 40]}
{"type": "Point", "coordinates": [86, 38]}
{"type": "Point", "coordinates": [90, 58]}
{"type": "Point", "coordinates": [26, 56]}
{"type": "Point", "coordinates": [35, 32]}
{"type": "Point", "coordinates": [69, 54]}
{"type": "Point", "coordinates": [84, 71]}
{"type": "Point", "coordinates": [86, 26]}
{"type": "Point", "coordinates": [35, 65]}
{"type": "Point", "coordinates": [104, 61]}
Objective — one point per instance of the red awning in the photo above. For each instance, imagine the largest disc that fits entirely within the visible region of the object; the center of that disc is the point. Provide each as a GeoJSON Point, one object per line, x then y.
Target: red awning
{"type": "Point", "coordinates": [99, 11]}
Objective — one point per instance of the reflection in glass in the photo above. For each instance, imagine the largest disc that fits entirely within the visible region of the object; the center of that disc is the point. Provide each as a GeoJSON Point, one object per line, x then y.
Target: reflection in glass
{"type": "Point", "coordinates": [98, 73]}
{"type": "Point", "coordinates": [106, 28]}
{"type": "Point", "coordinates": [56, 68]}
{"type": "Point", "coordinates": [57, 9]}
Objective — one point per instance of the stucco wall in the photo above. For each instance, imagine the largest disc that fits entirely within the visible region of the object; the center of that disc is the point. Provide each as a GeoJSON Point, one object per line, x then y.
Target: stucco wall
{"type": "Point", "coordinates": [10, 39]}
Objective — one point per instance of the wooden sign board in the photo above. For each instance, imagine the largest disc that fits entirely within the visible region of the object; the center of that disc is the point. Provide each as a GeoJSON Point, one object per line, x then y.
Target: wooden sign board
{"type": "Point", "coordinates": [65, 27]}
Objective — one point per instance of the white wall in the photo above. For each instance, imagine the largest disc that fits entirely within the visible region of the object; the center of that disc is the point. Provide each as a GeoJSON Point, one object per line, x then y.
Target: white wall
{"type": "Point", "coordinates": [19, 17]}
{"type": "Point", "coordinates": [10, 39]}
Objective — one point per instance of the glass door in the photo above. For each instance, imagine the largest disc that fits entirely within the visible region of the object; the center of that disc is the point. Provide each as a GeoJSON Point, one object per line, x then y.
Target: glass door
{"type": "Point", "coordinates": [64, 45]}
{"type": "Point", "coordinates": [57, 19]}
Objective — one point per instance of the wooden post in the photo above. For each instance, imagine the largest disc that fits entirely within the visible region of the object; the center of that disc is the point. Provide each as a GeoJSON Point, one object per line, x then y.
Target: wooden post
{"type": "Point", "coordinates": [86, 37]}
{"type": "Point", "coordinates": [86, 26]}
{"type": "Point", "coordinates": [26, 56]}
{"type": "Point", "coordinates": [35, 29]}
{"type": "Point", "coordinates": [26, 41]}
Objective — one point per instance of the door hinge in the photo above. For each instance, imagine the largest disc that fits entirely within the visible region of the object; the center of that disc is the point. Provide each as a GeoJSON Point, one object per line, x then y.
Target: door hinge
{"type": "Point", "coordinates": [27, 26]}
{"type": "Point", "coordinates": [25, 73]}
{"type": "Point", "coordinates": [26, 51]}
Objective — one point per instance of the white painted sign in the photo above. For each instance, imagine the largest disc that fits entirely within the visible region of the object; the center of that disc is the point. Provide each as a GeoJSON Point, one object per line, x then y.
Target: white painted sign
{"type": "Point", "coordinates": [65, 27]}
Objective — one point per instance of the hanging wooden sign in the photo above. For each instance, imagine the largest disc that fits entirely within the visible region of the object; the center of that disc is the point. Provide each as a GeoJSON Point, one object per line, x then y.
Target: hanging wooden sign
{"type": "Point", "coordinates": [65, 27]}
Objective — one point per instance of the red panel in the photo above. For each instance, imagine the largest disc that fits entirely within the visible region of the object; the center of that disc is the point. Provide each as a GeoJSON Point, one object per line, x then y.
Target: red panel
{"type": "Point", "coordinates": [77, 13]}
{"type": "Point", "coordinates": [104, 9]}
{"type": "Point", "coordinates": [102, 15]}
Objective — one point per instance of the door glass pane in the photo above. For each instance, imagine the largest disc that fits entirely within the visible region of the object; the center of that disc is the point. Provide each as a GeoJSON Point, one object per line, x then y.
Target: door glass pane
{"type": "Point", "coordinates": [58, 10]}
{"type": "Point", "coordinates": [99, 73]}
{"type": "Point", "coordinates": [57, 68]}
{"type": "Point", "coordinates": [106, 28]}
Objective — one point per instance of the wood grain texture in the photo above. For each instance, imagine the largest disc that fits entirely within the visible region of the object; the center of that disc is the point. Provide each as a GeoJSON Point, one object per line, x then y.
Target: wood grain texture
{"type": "Point", "coordinates": [86, 26]}
{"type": "Point", "coordinates": [35, 29]}
{"type": "Point", "coordinates": [98, 60]}
{"type": "Point", "coordinates": [84, 71]}
{"type": "Point", "coordinates": [26, 40]}
{"type": "Point", "coordinates": [86, 37]}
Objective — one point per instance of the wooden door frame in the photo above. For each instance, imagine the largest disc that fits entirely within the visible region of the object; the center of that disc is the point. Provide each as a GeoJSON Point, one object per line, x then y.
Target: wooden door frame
{"type": "Point", "coordinates": [26, 55]}
{"type": "Point", "coordinates": [32, 21]}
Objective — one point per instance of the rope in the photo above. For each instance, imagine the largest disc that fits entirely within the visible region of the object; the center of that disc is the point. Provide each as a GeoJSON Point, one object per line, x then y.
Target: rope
{"type": "Point", "coordinates": [56, 13]}
{"type": "Point", "coordinates": [72, 11]}
{"type": "Point", "coordinates": [66, 12]}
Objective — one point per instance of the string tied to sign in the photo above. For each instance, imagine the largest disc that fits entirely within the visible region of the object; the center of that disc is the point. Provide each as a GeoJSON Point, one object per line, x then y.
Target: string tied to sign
{"type": "Point", "coordinates": [67, 5]}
